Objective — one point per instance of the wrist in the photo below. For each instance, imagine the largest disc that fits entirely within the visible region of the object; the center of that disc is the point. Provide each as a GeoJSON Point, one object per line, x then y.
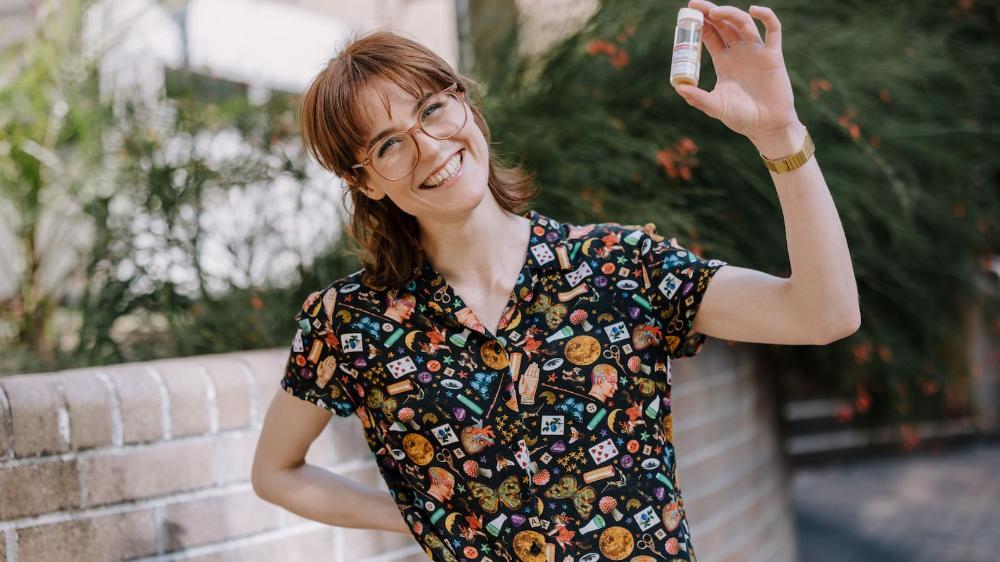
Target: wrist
{"type": "Point", "coordinates": [781, 143]}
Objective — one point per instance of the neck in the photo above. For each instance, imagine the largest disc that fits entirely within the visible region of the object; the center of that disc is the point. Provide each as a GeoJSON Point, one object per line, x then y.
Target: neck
{"type": "Point", "coordinates": [480, 247]}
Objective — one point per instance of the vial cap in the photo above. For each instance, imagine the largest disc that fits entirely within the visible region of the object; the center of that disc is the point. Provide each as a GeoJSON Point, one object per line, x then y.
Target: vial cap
{"type": "Point", "coordinates": [690, 13]}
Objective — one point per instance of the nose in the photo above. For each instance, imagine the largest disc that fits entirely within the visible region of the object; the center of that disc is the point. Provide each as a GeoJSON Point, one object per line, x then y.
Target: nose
{"type": "Point", "coordinates": [428, 146]}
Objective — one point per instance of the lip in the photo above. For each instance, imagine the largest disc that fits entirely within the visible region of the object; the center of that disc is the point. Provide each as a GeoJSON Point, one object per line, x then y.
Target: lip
{"type": "Point", "coordinates": [458, 174]}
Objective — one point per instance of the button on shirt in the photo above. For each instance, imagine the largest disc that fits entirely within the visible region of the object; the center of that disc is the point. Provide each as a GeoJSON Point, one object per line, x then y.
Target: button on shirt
{"type": "Point", "coordinates": [548, 440]}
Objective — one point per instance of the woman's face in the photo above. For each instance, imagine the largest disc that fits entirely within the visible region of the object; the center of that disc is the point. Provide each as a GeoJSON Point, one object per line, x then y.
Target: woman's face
{"type": "Point", "coordinates": [456, 196]}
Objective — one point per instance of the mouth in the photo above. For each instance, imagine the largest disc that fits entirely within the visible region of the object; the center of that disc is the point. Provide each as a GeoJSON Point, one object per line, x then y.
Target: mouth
{"type": "Point", "coordinates": [447, 174]}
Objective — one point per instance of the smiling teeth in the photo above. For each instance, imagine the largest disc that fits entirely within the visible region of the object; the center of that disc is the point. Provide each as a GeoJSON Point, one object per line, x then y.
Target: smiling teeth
{"type": "Point", "coordinates": [449, 170]}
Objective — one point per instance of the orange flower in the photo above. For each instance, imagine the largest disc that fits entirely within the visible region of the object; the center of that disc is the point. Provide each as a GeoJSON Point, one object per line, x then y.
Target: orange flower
{"type": "Point", "coordinates": [845, 414]}
{"type": "Point", "coordinates": [666, 159]}
{"type": "Point", "coordinates": [958, 209]}
{"type": "Point", "coordinates": [883, 94]}
{"type": "Point", "coordinates": [885, 353]}
{"type": "Point", "coordinates": [844, 119]}
{"type": "Point", "coordinates": [678, 160]}
{"type": "Point", "coordinates": [620, 59]}
{"type": "Point", "coordinates": [862, 352]}
{"type": "Point", "coordinates": [910, 436]}
{"type": "Point", "coordinates": [686, 145]}
{"type": "Point", "coordinates": [929, 388]}
{"type": "Point", "coordinates": [256, 302]}
{"type": "Point", "coordinates": [817, 84]}
{"type": "Point", "coordinates": [863, 401]}
{"type": "Point", "coordinates": [598, 46]}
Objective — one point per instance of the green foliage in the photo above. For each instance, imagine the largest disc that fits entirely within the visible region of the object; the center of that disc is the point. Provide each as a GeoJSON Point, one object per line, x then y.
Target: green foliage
{"type": "Point", "coordinates": [143, 290]}
{"type": "Point", "coordinates": [900, 99]}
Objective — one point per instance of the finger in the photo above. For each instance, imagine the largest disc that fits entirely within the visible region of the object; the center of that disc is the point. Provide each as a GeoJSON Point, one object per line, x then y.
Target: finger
{"type": "Point", "coordinates": [709, 33]}
{"type": "Point", "coordinates": [729, 32]}
{"type": "Point", "coordinates": [772, 26]}
{"type": "Point", "coordinates": [712, 39]}
{"type": "Point", "coordinates": [703, 5]}
{"type": "Point", "coordinates": [696, 97]}
{"type": "Point", "coordinates": [744, 23]}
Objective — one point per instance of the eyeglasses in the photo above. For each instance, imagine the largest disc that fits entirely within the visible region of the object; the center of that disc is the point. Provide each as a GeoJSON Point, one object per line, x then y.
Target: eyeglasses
{"type": "Point", "coordinates": [394, 156]}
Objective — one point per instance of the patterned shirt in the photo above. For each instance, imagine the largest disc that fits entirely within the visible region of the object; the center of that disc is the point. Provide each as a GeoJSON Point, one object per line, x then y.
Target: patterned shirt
{"type": "Point", "coordinates": [548, 440]}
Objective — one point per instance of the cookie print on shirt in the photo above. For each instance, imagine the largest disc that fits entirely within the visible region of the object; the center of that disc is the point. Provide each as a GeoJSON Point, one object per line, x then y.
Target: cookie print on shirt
{"type": "Point", "coordinates": [549, 440]}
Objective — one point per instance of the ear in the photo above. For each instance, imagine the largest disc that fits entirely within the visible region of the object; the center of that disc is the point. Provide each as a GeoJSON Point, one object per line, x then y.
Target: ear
{"type": "Point", "coordinates": [367, 190]}
{"type": "Point", "coordinates": [372, 193]}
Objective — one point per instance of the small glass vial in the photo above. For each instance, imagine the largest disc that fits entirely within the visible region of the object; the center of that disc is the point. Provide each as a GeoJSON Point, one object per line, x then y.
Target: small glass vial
{"type": "Point", "coordinates": [685, 65]}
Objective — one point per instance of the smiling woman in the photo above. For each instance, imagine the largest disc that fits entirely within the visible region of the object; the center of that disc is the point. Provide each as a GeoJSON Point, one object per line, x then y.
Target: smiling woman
{"type": "Point", "coordinates": [359, 118]}
{"type": "Point", "coordinates": [517, 360]}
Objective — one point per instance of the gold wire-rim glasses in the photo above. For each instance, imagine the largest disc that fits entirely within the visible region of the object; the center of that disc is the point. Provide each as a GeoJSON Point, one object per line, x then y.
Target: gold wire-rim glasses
{"type": "Point", "coordinates": [452, 89]}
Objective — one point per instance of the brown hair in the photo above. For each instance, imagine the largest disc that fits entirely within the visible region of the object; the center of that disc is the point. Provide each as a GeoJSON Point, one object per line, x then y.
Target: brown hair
{"type": "Point", "coordinates": [334, 130]}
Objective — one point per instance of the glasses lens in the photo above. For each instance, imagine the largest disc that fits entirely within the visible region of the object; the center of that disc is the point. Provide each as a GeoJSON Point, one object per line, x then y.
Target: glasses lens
{"type": "Point", "coordinates": [395, 156]}
{"type": "Point", "coordinates": [443, 116]}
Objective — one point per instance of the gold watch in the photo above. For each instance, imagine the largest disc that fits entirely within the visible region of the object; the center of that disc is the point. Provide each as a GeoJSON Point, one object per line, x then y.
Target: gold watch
{"type": "Point", "coordinates": [789, 163]}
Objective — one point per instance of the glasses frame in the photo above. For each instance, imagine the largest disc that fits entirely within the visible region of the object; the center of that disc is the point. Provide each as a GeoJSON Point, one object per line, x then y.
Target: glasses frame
{"type": "Point", "coordinates": [418, 125]}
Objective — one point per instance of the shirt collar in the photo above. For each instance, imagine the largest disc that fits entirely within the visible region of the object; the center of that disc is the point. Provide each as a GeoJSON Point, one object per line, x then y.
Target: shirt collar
{"type": "Point", "coordinates": [544, 230]}
{"type": "Point", "coordinates": [550, 232]}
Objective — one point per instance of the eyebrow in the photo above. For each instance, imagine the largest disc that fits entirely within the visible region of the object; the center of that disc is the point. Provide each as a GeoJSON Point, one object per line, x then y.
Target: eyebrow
{"type": "Point", "coordinates": [416, 107]}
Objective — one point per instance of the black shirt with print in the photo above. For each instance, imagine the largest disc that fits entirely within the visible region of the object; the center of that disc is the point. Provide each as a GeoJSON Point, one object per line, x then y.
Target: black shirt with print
{"type": "Point", "coordinates": [552, 437]}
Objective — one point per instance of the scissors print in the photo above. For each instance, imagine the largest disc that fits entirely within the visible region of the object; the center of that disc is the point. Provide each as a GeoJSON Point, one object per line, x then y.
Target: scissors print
{"type": "Point", "coordinates": [445, 455]}
{"type": "Point", "coordinates": [646, 543]}
{"type": "Point", "coordinates": [615, 353]}
{"type": "Point", "coordinates": [441, 295]}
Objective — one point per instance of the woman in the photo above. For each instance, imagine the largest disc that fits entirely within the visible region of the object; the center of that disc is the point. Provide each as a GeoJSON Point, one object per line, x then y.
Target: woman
{"type": "Point", "coordinates": [512, 372]}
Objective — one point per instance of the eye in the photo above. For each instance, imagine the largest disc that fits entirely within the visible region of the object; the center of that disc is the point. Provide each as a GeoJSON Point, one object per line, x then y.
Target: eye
{"type": "Point", "coordinates": [431, 109]}
{"type": "Point", "coordinates": [386, 146]}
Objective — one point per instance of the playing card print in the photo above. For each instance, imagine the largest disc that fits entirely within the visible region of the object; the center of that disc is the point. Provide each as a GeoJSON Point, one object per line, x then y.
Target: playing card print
{"type": "Point", "coordinates": [552, 433]}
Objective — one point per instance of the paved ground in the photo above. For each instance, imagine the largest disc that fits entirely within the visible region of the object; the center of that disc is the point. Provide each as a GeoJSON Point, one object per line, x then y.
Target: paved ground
{"type": "Point", "coordinates": [941, 507]}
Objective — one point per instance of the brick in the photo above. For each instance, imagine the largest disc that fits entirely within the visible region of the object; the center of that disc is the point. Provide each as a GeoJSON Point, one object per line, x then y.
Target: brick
{"type": "Point", "coordinates": [187, 391]}
{"type": "Point", "coordinates": [348, 439]}
{"type": "Point", "coordinates": [213, 557]}
{"type": "Point", "coordinates": [111, 537]}
{"type": "Point", "coordinates": [39, 488]}
{"type": "Point", "coordinates": [34, 412]}
{"type": "Point", "coordinates": [89, 407]}
{"type": "Point", "coordinates": [136, 473]}
{"type": "Point", "coordinates": [5, 429]}
{"type": "Point", "coordinates": [234, 456]}
{"type": "Point", "coordinates": [232, 390]}
{"type": "Point", "coordinates": [139, 397]}
{"type": "Point", "coordinates": [207, 520]}
{"type": "Point", "coordinates": [268, 368]}
{"type": "Point", "coordinates": [302, 546]}
{"type": "Point", "coordinates": [342, 440]}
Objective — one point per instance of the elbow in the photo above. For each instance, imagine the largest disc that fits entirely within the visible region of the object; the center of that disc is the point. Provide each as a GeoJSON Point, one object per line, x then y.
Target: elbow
{"type": "Point", "coordinates": [259, 480]}
{"type": "Point", "coordinates": [258, 488]}
{"type": "Point", "coordinates": [845, 325]}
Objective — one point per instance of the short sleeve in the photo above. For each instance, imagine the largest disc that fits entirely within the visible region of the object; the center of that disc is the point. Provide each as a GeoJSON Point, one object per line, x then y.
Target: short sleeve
{"type": "Point", "coordinates": [678, 279]}
{"type": "Point", "coordinates": [311, 372]}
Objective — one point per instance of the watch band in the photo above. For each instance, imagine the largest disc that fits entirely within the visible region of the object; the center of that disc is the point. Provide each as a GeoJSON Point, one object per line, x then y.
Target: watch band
{"type": "Point", "coordinates": [789, 163]}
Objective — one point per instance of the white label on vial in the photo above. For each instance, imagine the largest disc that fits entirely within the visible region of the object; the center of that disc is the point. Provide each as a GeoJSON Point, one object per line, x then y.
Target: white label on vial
{"type": "Point", "coordinates": [685, 59]}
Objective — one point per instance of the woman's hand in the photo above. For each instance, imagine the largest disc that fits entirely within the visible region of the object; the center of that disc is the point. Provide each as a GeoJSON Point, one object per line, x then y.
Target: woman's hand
{"type": "Point", "coordinates": [753, 94]}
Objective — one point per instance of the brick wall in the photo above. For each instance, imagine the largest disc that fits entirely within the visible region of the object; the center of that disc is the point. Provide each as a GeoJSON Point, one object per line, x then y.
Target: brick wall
{"type": "Point", "coordinates": [151, 461]}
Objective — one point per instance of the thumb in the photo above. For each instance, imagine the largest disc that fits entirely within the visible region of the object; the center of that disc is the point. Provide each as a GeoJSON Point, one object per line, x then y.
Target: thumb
{"type": "Point", "coordinates": [698, 98]}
